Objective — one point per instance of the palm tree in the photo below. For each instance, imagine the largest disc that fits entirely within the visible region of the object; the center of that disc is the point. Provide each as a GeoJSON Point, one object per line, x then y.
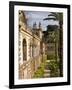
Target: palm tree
{"type": "Point", "coordinates": [58, 17]}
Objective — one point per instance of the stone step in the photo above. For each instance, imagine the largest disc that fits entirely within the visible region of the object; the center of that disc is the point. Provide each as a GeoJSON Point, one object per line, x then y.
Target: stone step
{"type": "Point", "coordinates": [46, 75]}
{"type": "Point", "coordinates": [47, 71]}
{"type": "Point", "coordinates": [47, 61]}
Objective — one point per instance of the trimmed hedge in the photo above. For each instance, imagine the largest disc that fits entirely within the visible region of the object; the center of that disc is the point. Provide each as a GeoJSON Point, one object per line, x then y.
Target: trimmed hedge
{"type": "Point", "coordinates": [50, 57]}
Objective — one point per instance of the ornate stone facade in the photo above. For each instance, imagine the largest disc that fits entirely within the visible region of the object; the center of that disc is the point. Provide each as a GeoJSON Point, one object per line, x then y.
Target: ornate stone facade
{"type": "Point", "coordinates": [30, 56]}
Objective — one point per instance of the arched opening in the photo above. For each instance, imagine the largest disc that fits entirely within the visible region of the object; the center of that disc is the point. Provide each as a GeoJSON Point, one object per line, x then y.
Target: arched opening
{"type": "Point", "coordinates": [24, 50]}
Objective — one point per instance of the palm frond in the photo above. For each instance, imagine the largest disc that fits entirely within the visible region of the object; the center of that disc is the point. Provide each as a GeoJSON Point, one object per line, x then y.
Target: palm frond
{"type": "Point", "coordinates": [55, 15]}
{"type": "Point", "coordinates": [49, 19]}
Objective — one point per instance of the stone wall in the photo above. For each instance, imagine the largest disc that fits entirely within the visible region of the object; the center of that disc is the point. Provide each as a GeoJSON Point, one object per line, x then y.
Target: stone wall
{"type": "Point", "coordinates": [28, 65]}
{"type": "Point", "coordinates": [26, 70]}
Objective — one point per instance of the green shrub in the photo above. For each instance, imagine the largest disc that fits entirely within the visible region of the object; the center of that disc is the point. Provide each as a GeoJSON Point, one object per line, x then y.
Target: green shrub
{"type": "Point", "coordinates": [54, 66]}
{"type": "Point", "coordinates": [40, 71]}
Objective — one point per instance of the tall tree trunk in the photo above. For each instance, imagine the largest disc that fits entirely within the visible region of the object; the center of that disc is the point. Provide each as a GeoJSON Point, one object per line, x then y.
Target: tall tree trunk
{"type": "Point", "coordinates": [56, 45]}
{"type": "Point", "coordinates": [61, 49]}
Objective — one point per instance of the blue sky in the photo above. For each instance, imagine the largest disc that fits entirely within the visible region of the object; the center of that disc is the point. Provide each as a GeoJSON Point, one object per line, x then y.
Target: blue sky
{"type": "Point", "coordinates": [38, 16]}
